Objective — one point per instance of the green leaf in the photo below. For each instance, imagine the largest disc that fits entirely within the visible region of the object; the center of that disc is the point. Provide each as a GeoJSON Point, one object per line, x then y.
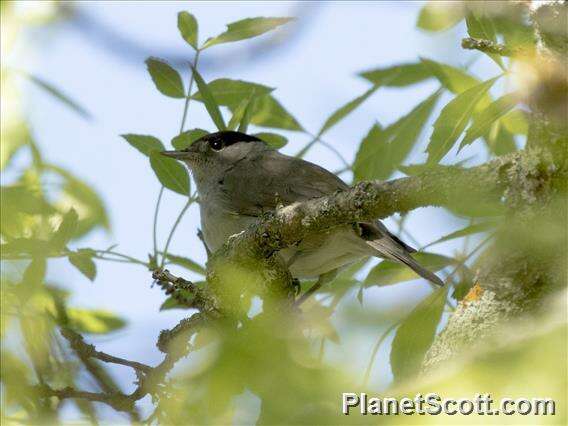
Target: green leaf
{"type": "Point", "coordinates": [239, 114]}
{"type": "Point", "coordinates": [476, 228]}
{"type": "Point", "coordinates": [440, 16]}
{"type": "Point", "coordinates": [94, 321]}
{"type": "Point", "coordinates": [516, 122]}
{"type": "Point", "coordinates": [56, 93]}
{"type": "Point", "coordinates": [209, 101]}
{"type": "Point", "coordinates": [186, 263]}
{"type": "Point", "coordinates": [66, 230]}
{"type": "Point", "coordinates": [231, 93]}
{"type": "Point", "coordinates": [79, 194]}
{"type": "Point", "coordinates": [346, 109]}
{"type": "Point", "coordinates": [83, 261]}
{"type": "Point", "coordinates": [170, 173]}
{"type": "Point", "coordinates": [480, 26]}
{"type": "Point", "coordinates": [398, 75]}
{"type": "Point", "coordinates": [453, 120]}
{"type": "Point", "coordinates": [32, 246]}
{"type": "Point", "coordinates": [372, 159]}
{"type": "Point", "coordinates": [268, 112]}
{"type": "Point", "coordinates": [167, 80]}
{"type": "Point", "coordinates": [34, 275]}
{"type": "Point", "coordinates": [247, 116]}
{"type": "Point", "coordinates": [173, 303]}
{"type": "Point", "coordinates": [381, 152]}
{"type": "Point", "coordinates": [415, 335]}
{"type": "Point", "coordinates": [273, 140]}
{"type": "Point", "coordinates": [246, 28]}
{"type": "Point", "coordinates": [144, 143]}
{"type": "Point", "coordinates": [185, 139]}
{"type": "Point", "coordinates": [454, 79]}
{"type": "Point", "coordinates": [485, 118]}
{"type": "Point", "coordinates": [499, 140]}
{"type": "Point", "coordinates": [188, 28]}
{"type": "Point", "coordinates": [389, 272]}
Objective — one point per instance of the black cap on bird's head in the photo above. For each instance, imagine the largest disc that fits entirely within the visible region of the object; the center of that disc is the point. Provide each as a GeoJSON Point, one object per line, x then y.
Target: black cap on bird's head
{"type": "Point", "coordinates": [211, 142]}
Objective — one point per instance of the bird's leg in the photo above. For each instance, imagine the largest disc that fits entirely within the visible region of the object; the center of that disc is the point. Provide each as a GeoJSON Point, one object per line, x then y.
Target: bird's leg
{"type": "Point", "coordinates": [322, 280]}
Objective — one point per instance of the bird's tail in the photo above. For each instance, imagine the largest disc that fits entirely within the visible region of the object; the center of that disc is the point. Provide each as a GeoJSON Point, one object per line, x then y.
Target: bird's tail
{"type": "Point", "coordinates": [389, 249]}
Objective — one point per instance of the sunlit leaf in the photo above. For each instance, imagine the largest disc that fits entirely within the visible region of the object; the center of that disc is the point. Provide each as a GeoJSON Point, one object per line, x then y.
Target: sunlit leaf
{"type": "Point", "coordinates": [167, 80]}
{"type": "Point", "coordinates": [415, 335]}
{"type": "Point", "coordinates": [231, 93]}
{"type": "Point", "coordinates": [476, 228]}
{"type": "Point", "coordinates": [144, 143]}
{"type": "Point", "coordinates": [453, 119]}
{"type": "Point", "coordinates": [454, 79]}
{"type": "Point", "coordinates": [345, 110]}
{"type": "Point", "coordinates": [516, 122]}
{"type": "Point", "coordinates": [483, 120]}
{"type": "Point", "coordinates": [273, 140]}
{"type": "Point", "coordinates": [94, 321]}
{"type": "Point", "coordinates": [185, 139]}
{"type": "Point", "coordinates": [268, 112]}
{"type": "Point", "coordinates": [209, 100]}
{"type": "Point", "coordinates": [389, 272]}
{"type": "Point", "coordinates": [440, 16]}
{"type": "Point", "coordinates": [239, 113]}
{"type": "Point", "coordinates": [32, 246]}
{"type": "Point", "coordinates": [398, 75]}
{"type": "Point", "coordinates": [188, 28]}
{"type": "Point", "coordinates": [186, 263]}
{"type": "Point", "coordinates": [55, 92]}
{"type": "Point", "coordinates": [66, 230]}
{"type": "Point", "coordinates": [84, 263]}
{"type": "Point", "coordinates": [246, 28]}
{"type": "Point", "coordinates": [170, 173]}
{"type": "Point", "coordinates": [381, 152]}
{"type": "Point", "coordinates": [481, 26]}
{"type": "Point", "coordinates": [499, 140]}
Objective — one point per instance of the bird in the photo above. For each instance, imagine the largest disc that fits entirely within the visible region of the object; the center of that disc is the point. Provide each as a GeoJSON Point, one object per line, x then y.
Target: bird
{"type": "Point", "coordinates": [240, 178]}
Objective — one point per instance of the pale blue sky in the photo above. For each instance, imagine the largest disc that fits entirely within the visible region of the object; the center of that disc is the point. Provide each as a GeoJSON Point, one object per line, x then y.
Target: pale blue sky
{"type": "Point", "coordinates": [314, 74]}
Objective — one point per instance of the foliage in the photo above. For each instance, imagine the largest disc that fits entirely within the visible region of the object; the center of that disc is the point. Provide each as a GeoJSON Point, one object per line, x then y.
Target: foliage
{"type": "Point", "coordinates": [253, 348]}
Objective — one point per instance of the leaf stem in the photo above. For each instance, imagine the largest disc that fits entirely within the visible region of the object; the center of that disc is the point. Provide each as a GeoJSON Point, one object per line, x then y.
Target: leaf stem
{"type": "Point", "coordinates": [154, 232]}
{"type": "Point", "coordinates": [189, 89]}
{"type": "Point", "coordinates": [190, 201]}
{"type": "Point", "coordinates": [376, 348]}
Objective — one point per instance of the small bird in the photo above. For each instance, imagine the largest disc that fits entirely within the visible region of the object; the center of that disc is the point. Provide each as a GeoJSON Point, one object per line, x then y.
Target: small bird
{"type": "Point", "coordinates": [239, 177]}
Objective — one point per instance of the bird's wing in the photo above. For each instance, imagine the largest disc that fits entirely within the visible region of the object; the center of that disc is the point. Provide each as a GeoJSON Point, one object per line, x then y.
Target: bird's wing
{"type": "Point", "coordinates": [261, 182]}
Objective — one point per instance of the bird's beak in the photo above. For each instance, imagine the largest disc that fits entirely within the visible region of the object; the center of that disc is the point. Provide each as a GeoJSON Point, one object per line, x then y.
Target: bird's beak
{"type": "Point", "coordinates": [178, 155]}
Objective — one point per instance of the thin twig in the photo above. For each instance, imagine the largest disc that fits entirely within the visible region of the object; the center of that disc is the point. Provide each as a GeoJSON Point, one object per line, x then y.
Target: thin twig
{"type": "Point", "coordinates": [155, 225]}
{"type": "Point", "coordinates": [190, 201]}
{"type": "Point", "coordinates": [380, 341]}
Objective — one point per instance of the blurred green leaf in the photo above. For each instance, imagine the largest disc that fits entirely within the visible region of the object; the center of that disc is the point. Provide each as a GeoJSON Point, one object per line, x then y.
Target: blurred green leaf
{"type": "Point", "coordinates": [389, 272]}
{"type": "Point", "coordinates": [84, 263]}
{"type": "Point", "coordinates": [382, 151]}
{"type": "Point", "coordinates": [268, 112]}
{"type": "Point", "coordinates": [345, 110]}
{"type": "Point", "coordinates": [170, 173]}
{"type": "Point", "coordinates": [398, 75]}
{"type": "Point", "coordinates": [273, 140]}
{"type": "Point", "coordinates": [185, 139]}
{"type": "Point", "coordinates": [239, 113]}
{"type": "Point", "coordinates": [483, 120]}
{"type": "Point", "coordinates": [481, 26]}
{"type": "Point", "coordinates": [55, 92]}
{"type": "Point", "coordinates": [167, 80]}
{"type": "Point", "coordinates": [209, 101]}
{"type": "Point", "coordinates": [231, 93]}
{"type": "Point", "coordinates": [31, 246]}
{"type": "Point", "coordinates": [499, 140]}
{"type": "Point", "coordinates": [66, 230]}
{"type": "Point", "coordinates": [188, 28]}
{"type": "Point", "coordinates": [173, 303]}
{"type": "Point", "coordinates": [34, 274]}
{"type": "Point", "coordinates": [440, 16]}
{"type": "Point", "coordinates": [94, 321]}
{"type": "Point", "coordinates": [144, 143]}
{"type": "Point", "coordinates": [453, 119]}
{"type": "Point", "coordinates": [454, 79]}
{"type": "Point", "coordinates": [516, 122]}
{"type": "Point", "coordinates": [81, 196]}
{"type": "Point", "coordinates": [246, 28]}
{"type": "Point", "coordinates": [415, 335]}
{"type": "Point", "coordinates": [186, 262]}
{"type": "Point", "coordinates": [476, 228]}
{"type": "Point", "coordinates": [21, 199]}
{"type": "Point", "coordinates": [14, 136]}
{"type": "Point", "coordinates": [247, 116]}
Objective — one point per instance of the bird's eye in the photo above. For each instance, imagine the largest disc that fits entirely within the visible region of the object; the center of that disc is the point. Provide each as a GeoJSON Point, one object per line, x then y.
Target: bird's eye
{"type": "Point", "coordinates": [216, 145]}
